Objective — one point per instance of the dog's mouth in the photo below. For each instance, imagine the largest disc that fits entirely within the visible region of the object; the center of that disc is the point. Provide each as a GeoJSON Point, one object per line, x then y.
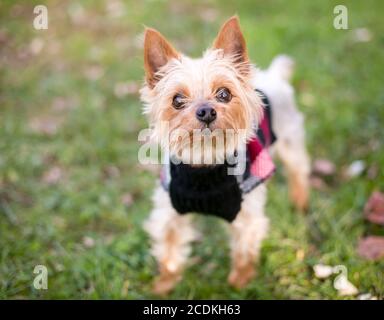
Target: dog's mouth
{"type": "Point", "coordinates": [211, 126]}
{"type": "Point", "coordinates": [207, 127]}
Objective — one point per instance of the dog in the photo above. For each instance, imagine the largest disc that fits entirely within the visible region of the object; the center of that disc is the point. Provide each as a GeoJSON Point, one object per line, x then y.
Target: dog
{"type": "Point", "coordinates": [222, 90]}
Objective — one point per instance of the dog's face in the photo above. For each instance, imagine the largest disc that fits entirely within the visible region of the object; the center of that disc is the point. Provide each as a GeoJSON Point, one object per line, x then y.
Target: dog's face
{"type": "Point", "coordinates": [211, 94]}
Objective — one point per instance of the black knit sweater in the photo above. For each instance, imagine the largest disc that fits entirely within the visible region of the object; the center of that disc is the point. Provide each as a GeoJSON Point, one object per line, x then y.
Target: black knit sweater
{"type": "Point", "coordinates": [208, 189]}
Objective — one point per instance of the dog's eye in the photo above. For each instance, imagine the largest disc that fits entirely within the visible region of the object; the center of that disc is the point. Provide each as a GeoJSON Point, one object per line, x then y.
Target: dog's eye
{"type": "Point", "coordinates": [223, 95]}
{"type": "Point", "coordinates": [178, 101]}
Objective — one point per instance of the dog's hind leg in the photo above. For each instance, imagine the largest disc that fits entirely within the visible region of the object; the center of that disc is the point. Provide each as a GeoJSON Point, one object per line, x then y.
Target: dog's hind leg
{"type": "Point", "coordinates": [171, 235]}
{"type": "Point", "coordinates": [292, 152]}
{"type": "Point", "coordinates": [288, 125]}
{"type": "Point", "coordinates": [247, 232]}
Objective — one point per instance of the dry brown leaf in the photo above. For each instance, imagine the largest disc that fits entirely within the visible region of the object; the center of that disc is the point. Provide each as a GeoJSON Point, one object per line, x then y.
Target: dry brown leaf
{"type": "Point", "coordinates": [209, 15]}
{"type": "Point", "coordinates": [362, 35]}
{"type": "Point", "coordinates": [36, 45]}
{"type": "Point", "coordinates": [111, 172]}
{"type": "Point", "coordinates": [63, 103]}
{"type": "Point", "coordinates": [373, 172]}
{"type": "Point", "coordinates": [371, 248]}
{"type": "Point", "coordinates": [318, 183]}
{"type": "Point", "coordinates": [115, 8]}
{"type": "Point", "coordinates": [324, 167]}
{"type": "Point", "coordinates": [45, 125]}
{"type": "Point", "coordinates": [3, 36]}
{"type": "Point", "coordinates": [123, 89]}
{"type": "Point", "coordinates": [94, 72]}
{"type": "Point", "coordinates": [127, 199]}
{"type": "Point", "coordinates": [77, 14]}
{"type": "Point", "coordinates": [374, 208]}
{"type": "Point", "coordinates": [152, 168]}
{"type": "Point", "coordinates": [52, 175]}
{"type": "Point", "coordinates": [88, 242]}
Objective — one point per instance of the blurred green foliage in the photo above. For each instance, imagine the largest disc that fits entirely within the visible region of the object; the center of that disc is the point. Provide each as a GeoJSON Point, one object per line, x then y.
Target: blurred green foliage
{"type": "Point", "coordinates": [73, 196]}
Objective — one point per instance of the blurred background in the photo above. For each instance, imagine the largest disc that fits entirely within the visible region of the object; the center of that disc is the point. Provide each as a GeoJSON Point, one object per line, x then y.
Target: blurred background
{"type": "Point", "coordinates": [73, 195]}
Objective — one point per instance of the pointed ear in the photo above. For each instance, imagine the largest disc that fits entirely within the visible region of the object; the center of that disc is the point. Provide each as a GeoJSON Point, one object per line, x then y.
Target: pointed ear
{"type": "Point", "coordinates": [231, 40]}
{"type": "Point", "coordinates": [157, 52]}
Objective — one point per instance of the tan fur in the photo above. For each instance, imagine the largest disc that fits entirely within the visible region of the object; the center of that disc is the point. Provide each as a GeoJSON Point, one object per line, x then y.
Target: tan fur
{"type": "Point", "coordinates": [247, 232]}
{"type": "Point", "coordinates": [226, 64]}
{"type": "Point", "coordinates": [230, 39]}
{"type": "Point", "coordinates": [171, 234]}
{"type": "Point", "coordinates": [157, 52]}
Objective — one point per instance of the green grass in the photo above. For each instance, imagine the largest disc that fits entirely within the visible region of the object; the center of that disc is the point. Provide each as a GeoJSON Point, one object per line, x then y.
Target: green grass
{"type": "Point", "coordinates": [340, 89]}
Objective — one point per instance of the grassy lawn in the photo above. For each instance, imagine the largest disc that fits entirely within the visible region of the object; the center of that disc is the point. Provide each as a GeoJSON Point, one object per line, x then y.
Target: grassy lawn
{"type": "Point", "coordinates": [73, 196]}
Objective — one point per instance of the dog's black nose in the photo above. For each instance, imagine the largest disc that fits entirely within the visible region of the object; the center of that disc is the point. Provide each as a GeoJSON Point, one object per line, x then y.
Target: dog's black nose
{"type": "Point", "coordinates": [206, 114]}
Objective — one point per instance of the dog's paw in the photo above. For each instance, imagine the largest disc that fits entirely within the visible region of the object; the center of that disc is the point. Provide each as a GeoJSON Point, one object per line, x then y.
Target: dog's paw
{"type": "Point", "coordinates": [164, 284]}
{"type": "Point", "coordinates": [240, 277]}
{"type": "Point", "coordinates": [299, 192]}
{"type": "Point", "coordinates": [299, 198]}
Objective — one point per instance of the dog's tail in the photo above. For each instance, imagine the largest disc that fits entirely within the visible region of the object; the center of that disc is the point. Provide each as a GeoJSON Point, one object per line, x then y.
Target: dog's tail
{"type": "Point", "coordinates": [282, 66]}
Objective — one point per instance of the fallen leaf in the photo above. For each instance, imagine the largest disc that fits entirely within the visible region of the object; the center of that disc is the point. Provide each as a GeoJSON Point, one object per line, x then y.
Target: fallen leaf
{"type": "Point", "coordinates": [322, 271]}
{"type": "Point", "coordinates": [3, 36]}
{"type": "Point", "coordinates": [318, 183]}
{"type": "Point", "coordinates": [209, 15]}
{"type": "Point", "coordinates": [355, 169]}
{"type": "Point", "coordinates": [366, 296]}
{"type": "Point", "coordinates": [52, 175]}
{"type": "Point", "coordinates": [152, 168]}
{"type": "Point", "coordinates": [36, 46]}
{"type": "Point", "coordinates": [59, 267]}
{"type": "Point", "coordinates": [195, 260]}
{"type": "Point", "coordinates": [344, 286]}
{"type": "Point", "coordinates": [115, 8]}
{"type": "Point", "coordinates": [374, 208]}
{"type": "Point", "coordinates": [123, 89]}
{"type": "Point", "coordinates": [53, 47]}
{"type": "Point", "coordinates": [373, 172]}
{"type": "Point", "coordinates": [324, 167]}
{"type": "Point", "coordinates": [63, 103]}
{"type": "Point", "coordinates": [362, 35]}
{"type": "Point", "coordinates": [371, 248]}
{"type": "Point", "coordinates": [127, 199]}
{"type": "Point", "coordinates": [77, 14]}
{"type": "Point", "coordinates": [45, 125]}
{"type": "Point", "coordinates": [209, 268]}
{"type": "Point", "coordinates": [111, 172]}
{"type": "Point", "coordinates": [88, 242]}
{"type": "Point", "coordinates": [94, 73]}
{"type": "Point", "coordinates": [300, 255]}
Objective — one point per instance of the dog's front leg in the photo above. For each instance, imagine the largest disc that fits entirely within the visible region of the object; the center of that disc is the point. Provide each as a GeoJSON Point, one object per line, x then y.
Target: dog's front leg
{"type": "Point", "coordinates": [247, 232]}
{"type": "Point", "coordinates": [171, 235]}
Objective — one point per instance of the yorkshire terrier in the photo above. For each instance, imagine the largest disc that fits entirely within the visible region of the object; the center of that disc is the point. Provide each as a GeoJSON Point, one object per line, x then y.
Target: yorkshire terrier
{"type": "Point", "coordinates": [254, 111]}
